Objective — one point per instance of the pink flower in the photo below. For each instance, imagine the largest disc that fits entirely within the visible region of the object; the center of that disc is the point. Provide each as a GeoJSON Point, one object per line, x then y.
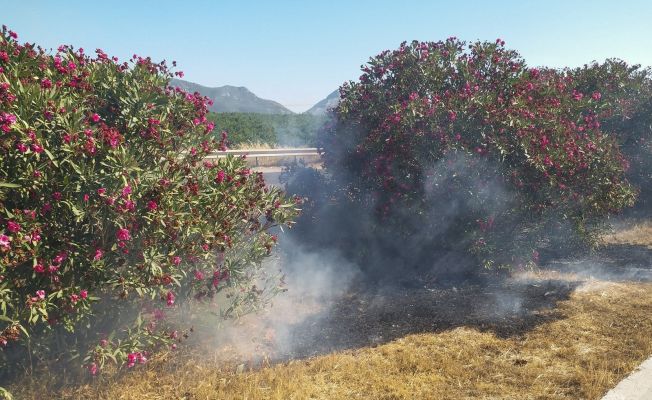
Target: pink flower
{"type": "Point", "coordinates": [452, 116]}
{"type": "Point", "coordinates": [74, 298]}
{"type": "Point", "coordinates": [39, 268]}
{"type": "Point", "coordinates": [129, 205]}
{"type": "Point", "coordinates": [46, 83]}
{"type": "Point", "coordinates": [151, 205]}
{"type": "Point", "coordinates": [199, 275]}
{"type": "Point", "coordinates": [83, 294]}
{"type": "Point", "coordinates": [131, 359]}
{"type": "Point", "coordinates": [53, 268]}
{"type": "Point", "coordinates": [36, 148]}
{"type": "Point", "coordinates": [101, 191]}
{"type": "Point", "coordinates": [93, 369]}
{"type": "Point", "coordinates": [57, 196]}
{"type": "Point", "coordinates": [60, 257]}
{"type": "Point", "coordinates": [596, 96]}
{"type": "Point", "coordinates": [544, 141]}
{"type": "Point", "coordinates": [98, 254]}
{"type": "Point", "coordinates": [126, 191]}
{"type": "Point", "coordinates": [13, 226]}
{"type": "Point", "coordinates": [170, 298]}
{"type": "Point", "coordinates": [577, 95]}
{"type": "Point", "coordinates": [4, 241]}
{"type": "Point", "coordinates": [123, 234]}
{"type": "Point", "coordinates": [40, 294]}
{"type": "Point", "coordinates": [89, 146]}
{"type": "Point", "coordinates": [22, 147]}
{"type": "Point", "coordinates": [176, 260]}
{"type": "Point", "coordinates": [95, 117]}
{"type": "Point", "coordinates": [220, 177]}
{"type": "Point", "coordinates": [35, 237]}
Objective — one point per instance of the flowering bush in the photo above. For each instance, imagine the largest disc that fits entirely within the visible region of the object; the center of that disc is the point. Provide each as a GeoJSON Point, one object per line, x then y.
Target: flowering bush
{"type": "Point", "coordinates": [626, 97]}
{"type": "Point", "coordinates": [109, 215]}
{"type": "Point", "coordinates": [460, 144]}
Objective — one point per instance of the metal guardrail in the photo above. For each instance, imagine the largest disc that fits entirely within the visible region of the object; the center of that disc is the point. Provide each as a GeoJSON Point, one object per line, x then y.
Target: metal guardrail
{"type": "Point", "coordinates": [290, 152]}
{"type": "Point", "coordinates": [255, 154]}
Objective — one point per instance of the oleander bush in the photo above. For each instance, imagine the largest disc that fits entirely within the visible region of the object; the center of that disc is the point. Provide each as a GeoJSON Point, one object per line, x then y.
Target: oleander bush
{"type": "Point", "coordinates": [457, 145]}
{"type": "Point", "coordinates": [110, 219]}
{"type": "Point", "coordinates": [627, 90]}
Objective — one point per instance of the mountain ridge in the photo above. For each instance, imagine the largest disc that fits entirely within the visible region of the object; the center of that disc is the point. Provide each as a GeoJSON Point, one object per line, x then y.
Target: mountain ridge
{"type": "Point", "coordinates": [239, 99]}
{"type": "Point", "coordinates": [230, 98]}
{"type": "Point", "coordinates": [322, 107]}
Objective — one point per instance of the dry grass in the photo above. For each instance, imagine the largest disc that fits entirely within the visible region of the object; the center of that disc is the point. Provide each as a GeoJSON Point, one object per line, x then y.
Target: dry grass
{"type": "Point", "coordinates": [639, 233]}
{"type": "Point", "coordinates": [604, 333]}
{"type": "Point", "coordinates": [597, 337]}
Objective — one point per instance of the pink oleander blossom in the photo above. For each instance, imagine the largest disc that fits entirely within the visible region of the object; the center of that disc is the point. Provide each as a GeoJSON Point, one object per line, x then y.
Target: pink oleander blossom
{"type": "Point", "coordinates": [13, 226]}
{"type": "Point", "coordinates": [123, 234]}
{"type": "Point", "coordinates": [5, 241]}
{"type": "Point", "coordinates": [170, 299]}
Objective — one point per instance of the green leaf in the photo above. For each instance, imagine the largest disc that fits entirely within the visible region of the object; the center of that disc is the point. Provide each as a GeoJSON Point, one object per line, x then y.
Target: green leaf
{"type": "Point", "coordinates": [54, 161]}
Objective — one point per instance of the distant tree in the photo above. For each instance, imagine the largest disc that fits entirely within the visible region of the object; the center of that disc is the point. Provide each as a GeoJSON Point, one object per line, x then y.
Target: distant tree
{"type": "Point", "coordinates": [270, 129]}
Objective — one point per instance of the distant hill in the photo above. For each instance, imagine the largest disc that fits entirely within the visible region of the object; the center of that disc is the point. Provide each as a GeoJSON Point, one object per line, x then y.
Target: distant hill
{"type": "Point", "coordinates": [323, 106]}
{"type": "Point", "coordinates": [233, 99]}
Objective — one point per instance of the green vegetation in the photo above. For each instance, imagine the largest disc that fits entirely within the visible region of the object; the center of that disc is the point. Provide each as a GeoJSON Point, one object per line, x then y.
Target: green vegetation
{"type": "Point", "coordinates": [109, 219]}
{"type": "Point", "coordinates": [274, 129]}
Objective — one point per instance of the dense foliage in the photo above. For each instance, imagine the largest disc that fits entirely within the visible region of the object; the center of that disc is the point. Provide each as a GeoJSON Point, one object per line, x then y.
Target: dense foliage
{"type": "Point", "coordinates": [464, 145]}
{"type": "Point", "coordinates": [271, 129]}
{"type": "Point", "coordinates": [109, 217]}
{"type": "Point", "coordinates": [627, 92]}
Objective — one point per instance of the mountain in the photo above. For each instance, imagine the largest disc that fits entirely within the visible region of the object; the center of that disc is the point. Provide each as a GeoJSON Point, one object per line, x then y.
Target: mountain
{"type": "Point", "coordinates": [233, 99]}
{"type": "Point", "coordinates": [323, 106]}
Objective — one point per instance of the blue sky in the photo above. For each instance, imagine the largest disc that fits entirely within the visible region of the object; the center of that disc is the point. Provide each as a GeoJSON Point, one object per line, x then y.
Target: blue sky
{"type": "Point", "coordinates": [297, 52]}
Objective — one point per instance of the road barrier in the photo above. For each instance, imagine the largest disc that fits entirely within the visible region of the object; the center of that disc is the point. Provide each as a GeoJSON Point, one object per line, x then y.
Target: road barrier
{"type": "Point", "coordinates": [272, 157]}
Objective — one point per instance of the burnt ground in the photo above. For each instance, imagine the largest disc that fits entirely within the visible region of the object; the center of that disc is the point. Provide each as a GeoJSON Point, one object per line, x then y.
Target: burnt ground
{"type": "Point", "coordinates": [370, 314]}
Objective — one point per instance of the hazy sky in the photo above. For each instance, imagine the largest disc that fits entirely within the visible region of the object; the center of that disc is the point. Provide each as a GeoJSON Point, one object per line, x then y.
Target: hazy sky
{"type": "Point", "coordinates": [297, 52]}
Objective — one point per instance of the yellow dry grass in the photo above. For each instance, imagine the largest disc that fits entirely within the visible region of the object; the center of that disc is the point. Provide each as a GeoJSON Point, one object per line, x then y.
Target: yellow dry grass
{"type": "Point", "coordinates": [638, 233]}
{"type": "Point", "coordinates": [597, 337]}
{"type": "Point", "coordinates": [604, 332]}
